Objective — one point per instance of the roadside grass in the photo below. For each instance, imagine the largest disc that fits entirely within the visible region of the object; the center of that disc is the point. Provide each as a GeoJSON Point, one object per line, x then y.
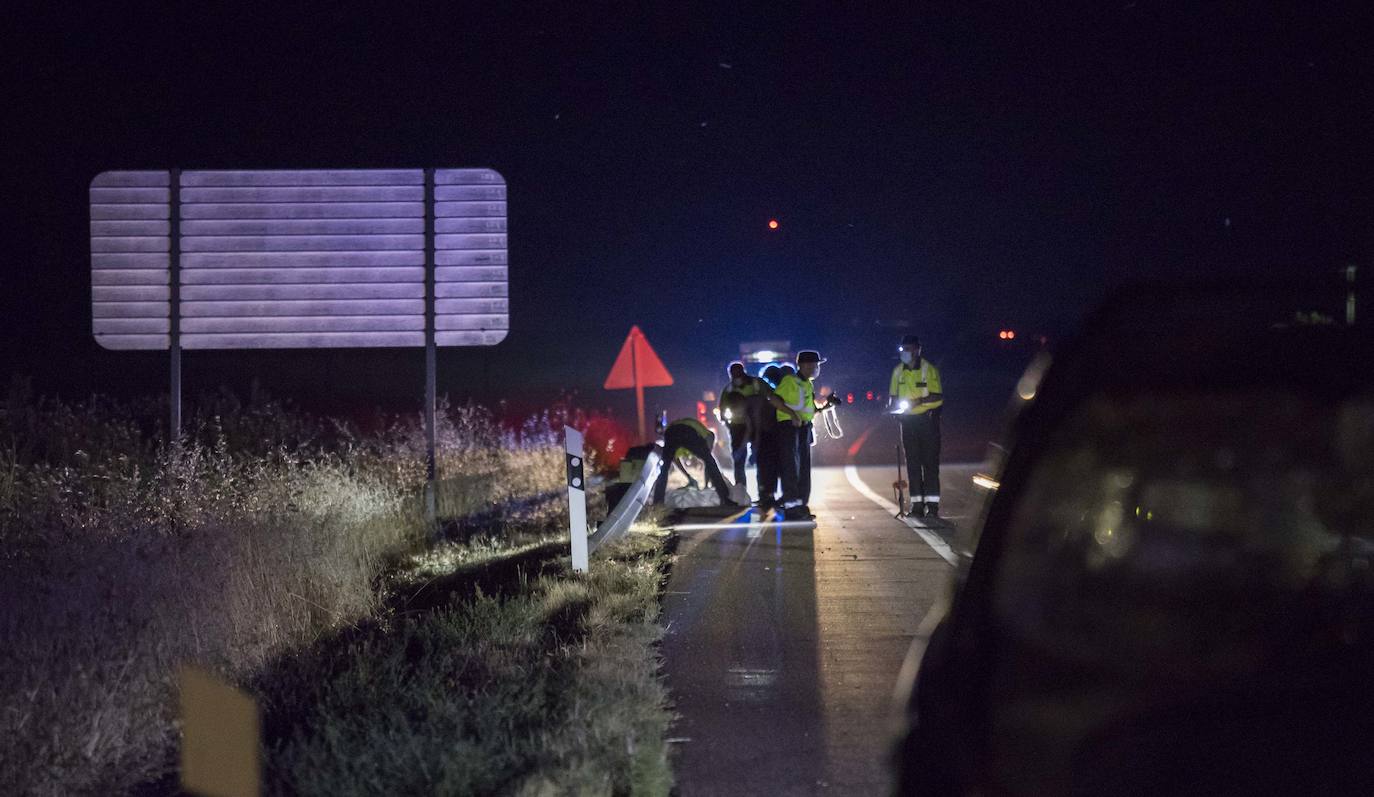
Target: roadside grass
{"type": "Point", "coordinates": [538, 683]}
{"type": "Point", "coordinates": [263, 532]}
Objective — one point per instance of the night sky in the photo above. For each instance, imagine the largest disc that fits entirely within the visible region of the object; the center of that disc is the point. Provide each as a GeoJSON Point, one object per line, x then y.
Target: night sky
{"type": "Point", "coordinates": [957, 171]}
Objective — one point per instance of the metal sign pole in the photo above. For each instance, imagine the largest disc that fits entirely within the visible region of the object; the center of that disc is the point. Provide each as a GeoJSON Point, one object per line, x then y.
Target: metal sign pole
{"type": "Point", "coordinates": [174, 286]}
{"type": "Point", "coordinates": [431, 357]}
{"type": "Point", "coordinates": [577, 499]}
{"type": "Point", "coordinates": [639, 390]}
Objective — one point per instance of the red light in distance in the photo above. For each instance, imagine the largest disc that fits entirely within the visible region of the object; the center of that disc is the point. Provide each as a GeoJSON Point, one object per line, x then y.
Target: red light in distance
{"type": "Point", "coordinates": [772, 224]}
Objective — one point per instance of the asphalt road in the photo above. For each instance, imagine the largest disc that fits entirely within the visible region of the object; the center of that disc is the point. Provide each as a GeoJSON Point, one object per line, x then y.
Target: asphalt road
{"type": "Point", "coordinates": [784, 641]}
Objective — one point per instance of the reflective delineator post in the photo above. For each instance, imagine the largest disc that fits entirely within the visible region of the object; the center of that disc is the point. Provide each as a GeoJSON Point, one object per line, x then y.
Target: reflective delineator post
{"type": "Point", "coordinates": [577, 499]}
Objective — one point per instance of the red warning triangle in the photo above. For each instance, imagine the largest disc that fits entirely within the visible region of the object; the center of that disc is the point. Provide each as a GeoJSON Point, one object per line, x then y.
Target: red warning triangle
{"type": "Point", "coordinates": [637, 364]}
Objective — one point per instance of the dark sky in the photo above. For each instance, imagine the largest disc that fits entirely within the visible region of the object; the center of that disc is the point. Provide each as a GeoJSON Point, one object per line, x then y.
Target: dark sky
{"type": "Point", "coordinates": [960, 170]}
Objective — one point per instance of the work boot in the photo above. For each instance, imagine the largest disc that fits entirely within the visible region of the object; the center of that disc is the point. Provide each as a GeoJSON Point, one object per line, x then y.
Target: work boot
{"type": "Point", "coordinates": [796, 513]}
{"type": "Point", "coordinates": [933, 510]}
{"type": "Point", "coordinates": [917, 510]}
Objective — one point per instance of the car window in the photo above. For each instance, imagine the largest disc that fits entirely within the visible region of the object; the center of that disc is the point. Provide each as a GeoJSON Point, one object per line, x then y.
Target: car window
{"type": "Point", "coordinates": [1166, 542]}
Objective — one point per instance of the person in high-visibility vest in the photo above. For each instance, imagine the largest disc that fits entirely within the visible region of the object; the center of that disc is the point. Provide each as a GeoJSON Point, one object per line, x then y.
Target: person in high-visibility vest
{"type": "Point", "coordinates": [915, 396]}
{"type": "Point", "coordinates": [734, 408]}
{"type": "Point", "coordinates": [688, 436]}
{"type": "Point", "coordinates": [766, 463]}
{"type": "Point", "coordinates": [794, 399]}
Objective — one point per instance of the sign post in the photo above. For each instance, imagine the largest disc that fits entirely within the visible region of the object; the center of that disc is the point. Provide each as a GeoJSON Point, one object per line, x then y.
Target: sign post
{"type": "Point", "coordinates": [431, 362]}
{"type": "Point", "coordinates": [638, 366]}
{"type": "Point", "coordinates": [577, 498]}
{"type": "Point", "coordinates": [174, 302]}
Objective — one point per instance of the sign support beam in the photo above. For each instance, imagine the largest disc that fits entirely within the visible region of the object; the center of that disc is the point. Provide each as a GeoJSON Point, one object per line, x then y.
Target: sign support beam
{"type": "Point", "coordinates": [431, 359]}
{"type": "Point", "coordinates": [639, 393]}
{"type": "Point", "coordinates": [174, 288]}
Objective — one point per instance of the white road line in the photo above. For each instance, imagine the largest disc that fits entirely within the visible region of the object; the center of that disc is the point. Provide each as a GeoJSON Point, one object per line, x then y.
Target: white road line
{"type": "Point", "coordinates": [932, 539]}
{"type": "Point", "coordinates": [785, 524]}
{"type": "Point", "coordinates": [906, 678]}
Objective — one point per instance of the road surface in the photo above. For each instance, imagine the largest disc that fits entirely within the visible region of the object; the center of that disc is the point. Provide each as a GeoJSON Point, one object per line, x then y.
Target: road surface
{"type": "Point", "coordinates": [784, 641]}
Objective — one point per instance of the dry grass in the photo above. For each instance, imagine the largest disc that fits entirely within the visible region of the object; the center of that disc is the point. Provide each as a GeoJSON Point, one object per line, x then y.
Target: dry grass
{"type": "Point", "coordinates": [549, 686]}
{"type": "Point", "coordinates": [121, 556]}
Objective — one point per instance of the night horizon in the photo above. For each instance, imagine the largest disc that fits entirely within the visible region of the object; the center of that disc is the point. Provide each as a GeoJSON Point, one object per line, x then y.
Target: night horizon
{"type": "Point", "coordinates": [918, 178]}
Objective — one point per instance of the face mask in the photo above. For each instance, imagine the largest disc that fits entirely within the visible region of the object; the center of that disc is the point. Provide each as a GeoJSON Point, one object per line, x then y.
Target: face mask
{"type": "Point", "coordinates": [908, 358]}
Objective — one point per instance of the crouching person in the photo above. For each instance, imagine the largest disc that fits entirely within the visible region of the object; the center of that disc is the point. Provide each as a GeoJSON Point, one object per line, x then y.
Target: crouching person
{"type": "Point", "coordinates": [689, 437]}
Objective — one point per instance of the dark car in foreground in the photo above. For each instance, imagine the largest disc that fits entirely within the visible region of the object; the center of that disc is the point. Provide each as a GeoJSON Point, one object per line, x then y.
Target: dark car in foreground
{"type": "Point", "coordinates": [1173, 587]}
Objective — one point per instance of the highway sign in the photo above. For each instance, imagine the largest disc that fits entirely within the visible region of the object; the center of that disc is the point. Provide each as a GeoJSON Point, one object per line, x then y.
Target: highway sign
{"type": "Point", "coordinates": [322, 258]}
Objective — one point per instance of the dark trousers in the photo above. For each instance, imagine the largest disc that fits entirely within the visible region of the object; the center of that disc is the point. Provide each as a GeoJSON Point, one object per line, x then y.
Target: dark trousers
{"type": "Point", "coordinates": [766, 463]}
{"type": "Point", "coordinates": [921, 440]}
{"type": "Point", "coordinates": [794, 453]}
{"type": "Point", "coordinates": [675, 437]}
{"type": "Point", "coordinates": [739, 449]}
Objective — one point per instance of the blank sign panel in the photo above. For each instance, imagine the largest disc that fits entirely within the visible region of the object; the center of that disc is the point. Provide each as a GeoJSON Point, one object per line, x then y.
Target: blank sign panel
{"type": "Point", "coordinates": [130, 260]}
{"type": "Point", "coordinates": [287, 259]}
{"type": "Point", "coordinates": [298, 258]}
{"type": "Point", "coordinates": [470, 254]}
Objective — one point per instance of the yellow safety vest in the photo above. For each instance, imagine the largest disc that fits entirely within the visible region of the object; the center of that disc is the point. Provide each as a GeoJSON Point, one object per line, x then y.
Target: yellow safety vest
{"type": "Point", "coordinates": [696, 426]}
{"type": "Point", "coordinates": [734, 400]}
{"type": "Point", "coordinates": [799, 394]}
{"type": "Point", "coordinates": [913, 384]}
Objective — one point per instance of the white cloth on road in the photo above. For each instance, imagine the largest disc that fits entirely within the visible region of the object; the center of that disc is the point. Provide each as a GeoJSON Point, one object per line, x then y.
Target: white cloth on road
{"type": "Point", "coordinates": [687, 498]}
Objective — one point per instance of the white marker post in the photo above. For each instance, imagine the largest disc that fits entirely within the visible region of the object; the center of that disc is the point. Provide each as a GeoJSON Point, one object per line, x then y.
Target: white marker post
{"type": "Point", "coordinates": [577, 499]}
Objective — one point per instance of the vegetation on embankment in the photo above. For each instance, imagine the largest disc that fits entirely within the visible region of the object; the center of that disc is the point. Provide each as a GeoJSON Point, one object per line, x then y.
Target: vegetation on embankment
{"type": "Point", "coordinates": [263, 539]}
{"type": "Point", "coordinates": [522, 680]}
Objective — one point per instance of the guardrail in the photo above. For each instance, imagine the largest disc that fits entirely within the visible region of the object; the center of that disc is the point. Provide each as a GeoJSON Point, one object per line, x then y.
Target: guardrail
{"type": "Point", "coordinates": [622, 515]}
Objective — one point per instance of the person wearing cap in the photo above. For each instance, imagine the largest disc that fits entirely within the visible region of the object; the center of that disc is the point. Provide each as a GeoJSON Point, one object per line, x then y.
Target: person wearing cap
{"type": "Point", "coordinates": [795, 403]}
{"type": "Point", "coordinates": [736, 408]}
{"type": "Point", "coordinates": [915, 396]}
